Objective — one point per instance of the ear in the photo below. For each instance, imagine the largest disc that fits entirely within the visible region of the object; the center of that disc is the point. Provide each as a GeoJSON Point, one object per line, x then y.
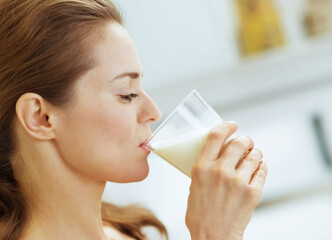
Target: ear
{"type": "Point", "coordinates": [35, 116]}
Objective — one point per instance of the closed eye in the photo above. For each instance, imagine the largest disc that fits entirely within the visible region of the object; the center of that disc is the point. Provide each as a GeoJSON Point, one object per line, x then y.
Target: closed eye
{"type": "Point", "coordinates": [129, 98]}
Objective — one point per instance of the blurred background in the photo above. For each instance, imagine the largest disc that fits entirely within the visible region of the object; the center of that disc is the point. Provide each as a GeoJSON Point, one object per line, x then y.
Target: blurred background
{"type": "Point", "coordinates": [266, 64]}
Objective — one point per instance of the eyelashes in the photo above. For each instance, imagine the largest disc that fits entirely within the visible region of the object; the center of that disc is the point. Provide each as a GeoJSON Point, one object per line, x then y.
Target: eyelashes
{"type": "Point", "coordinates": [129, 98]}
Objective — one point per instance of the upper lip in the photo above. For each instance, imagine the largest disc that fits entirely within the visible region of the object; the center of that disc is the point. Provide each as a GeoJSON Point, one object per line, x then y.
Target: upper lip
{"type": "Point", "coordinates": [144, 141]}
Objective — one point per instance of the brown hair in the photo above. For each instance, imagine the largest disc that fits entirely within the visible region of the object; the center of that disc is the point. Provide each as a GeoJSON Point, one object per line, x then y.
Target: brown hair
{"type": "Point", "coordinates": [45, 46]}
{"type": "Point", "coordinates": [131, 219]}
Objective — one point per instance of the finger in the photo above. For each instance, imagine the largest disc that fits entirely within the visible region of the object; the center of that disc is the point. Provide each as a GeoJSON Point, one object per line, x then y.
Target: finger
{"type": "Point", "coordinates": [258, 178]}
{"type": "Point", "coordinates": [215, 140]}
{"type": "Point", "coordinates": [225, 144]}
{"type": "Point", "coordinates": [249, 164]}
{"type": "Point", "coordinates": [235, 150]}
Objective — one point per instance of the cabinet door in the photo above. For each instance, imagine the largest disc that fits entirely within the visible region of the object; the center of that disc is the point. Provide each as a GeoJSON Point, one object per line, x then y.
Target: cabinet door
{"type": "Point", "coordinates": [283, 129]}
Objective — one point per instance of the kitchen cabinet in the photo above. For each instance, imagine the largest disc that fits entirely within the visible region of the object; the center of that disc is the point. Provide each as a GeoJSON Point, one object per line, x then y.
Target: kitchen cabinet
{"type": "Point", "coordinates": [283, 128]}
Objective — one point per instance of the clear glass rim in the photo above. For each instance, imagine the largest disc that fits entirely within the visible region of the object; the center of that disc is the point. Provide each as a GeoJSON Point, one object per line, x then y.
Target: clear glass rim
{"type": "Point", "coordinates": [193, 92]}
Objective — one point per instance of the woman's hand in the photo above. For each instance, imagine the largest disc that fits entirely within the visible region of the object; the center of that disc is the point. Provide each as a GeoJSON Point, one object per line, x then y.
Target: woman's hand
{"type": "Point", "coordinates": [226, 186]}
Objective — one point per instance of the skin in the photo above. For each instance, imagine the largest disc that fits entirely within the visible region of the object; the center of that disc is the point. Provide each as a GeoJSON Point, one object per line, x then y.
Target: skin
{"type": "Point", "coordinates": [231, 180]}
{"type": "Point", "coordinates": [74, 150]}
{"type": "Point", "coordinates": [65, 155]}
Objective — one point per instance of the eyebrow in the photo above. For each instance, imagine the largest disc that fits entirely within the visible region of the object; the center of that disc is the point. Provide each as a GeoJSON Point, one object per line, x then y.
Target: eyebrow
{"type": "Point", "coordinates": [132, 75]}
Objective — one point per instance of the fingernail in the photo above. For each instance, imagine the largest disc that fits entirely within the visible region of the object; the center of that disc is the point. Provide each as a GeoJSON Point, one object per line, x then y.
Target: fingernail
{"type": "Point", "coordinates": [232, 122]}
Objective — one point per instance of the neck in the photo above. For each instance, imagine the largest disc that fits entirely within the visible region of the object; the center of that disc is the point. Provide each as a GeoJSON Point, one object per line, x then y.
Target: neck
{"type": "Point", "coordinates": [63, 203]}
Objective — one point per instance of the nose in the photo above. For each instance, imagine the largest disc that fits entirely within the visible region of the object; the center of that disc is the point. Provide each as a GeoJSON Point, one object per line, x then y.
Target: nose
{"type": "Point", "coordinates": [149, 110]}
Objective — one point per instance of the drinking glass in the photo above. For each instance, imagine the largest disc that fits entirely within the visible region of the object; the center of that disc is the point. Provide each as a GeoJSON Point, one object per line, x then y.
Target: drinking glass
{"type": "Point", "coordinates": [181, 136]}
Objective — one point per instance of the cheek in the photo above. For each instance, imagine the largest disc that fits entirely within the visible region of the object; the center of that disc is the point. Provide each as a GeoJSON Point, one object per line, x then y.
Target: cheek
{"type": "Point", "coordinates": [113, 125]}
{"type": "Point", "coordinates": [107, 128]}
{"type": "Point", "coordinates": [100, 124]}
{"type": "Point", "coordinates": [100, 141]}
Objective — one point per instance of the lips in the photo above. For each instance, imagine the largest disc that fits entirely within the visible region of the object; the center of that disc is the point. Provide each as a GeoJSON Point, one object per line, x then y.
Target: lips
{"type": "Point", "coordinates": [144, 146]}
{"type": "Point", "coordinates": [144, 141]}
{"type": "Point", "coordinates": [145, 149]}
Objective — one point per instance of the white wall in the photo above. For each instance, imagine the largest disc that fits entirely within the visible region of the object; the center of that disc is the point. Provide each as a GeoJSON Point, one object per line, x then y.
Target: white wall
{"type": "Point", "coordinates": [176, 39]}
{"type": "Point", "coordinates": [183, 39]}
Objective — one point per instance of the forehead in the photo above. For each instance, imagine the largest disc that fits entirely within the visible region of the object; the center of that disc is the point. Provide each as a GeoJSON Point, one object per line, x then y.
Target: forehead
{"type": "Point", "coordinates": [116, 52]}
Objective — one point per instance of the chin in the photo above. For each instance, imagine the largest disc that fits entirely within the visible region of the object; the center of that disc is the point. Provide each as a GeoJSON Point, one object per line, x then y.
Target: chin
{"type": "Point", "coordinates": [140, 170]}
{"type": "Point", "coordinates": [136, 174]}
{"type": "Point", "coordinates": [141, 175]}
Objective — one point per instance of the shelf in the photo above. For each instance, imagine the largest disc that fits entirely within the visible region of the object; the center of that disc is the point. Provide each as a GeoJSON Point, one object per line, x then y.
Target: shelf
{"type": "Point", "coordinates": [325, 186]}
{"type": "Point", "coordinates": [273, 74]}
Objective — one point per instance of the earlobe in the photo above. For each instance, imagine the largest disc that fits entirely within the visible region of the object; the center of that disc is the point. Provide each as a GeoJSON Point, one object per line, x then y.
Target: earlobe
{"type": "Point", "coordinates": [34, 113]}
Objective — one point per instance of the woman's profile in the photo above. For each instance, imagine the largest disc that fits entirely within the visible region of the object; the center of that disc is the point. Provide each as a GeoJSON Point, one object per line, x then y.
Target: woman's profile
{"type": "Point", "coordinates": [73, 115]}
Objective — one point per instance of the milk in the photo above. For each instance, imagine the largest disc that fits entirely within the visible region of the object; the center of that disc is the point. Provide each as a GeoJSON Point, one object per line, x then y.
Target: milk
{"type": "Point", "coordinates": [182, 152]}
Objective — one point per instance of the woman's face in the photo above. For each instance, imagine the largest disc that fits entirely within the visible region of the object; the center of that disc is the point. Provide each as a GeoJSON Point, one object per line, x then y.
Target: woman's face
{"type": "Point", "coordinates": [100, 131]}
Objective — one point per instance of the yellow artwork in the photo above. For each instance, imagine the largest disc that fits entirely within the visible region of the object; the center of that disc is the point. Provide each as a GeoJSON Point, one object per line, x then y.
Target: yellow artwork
{"type": "Point", "coordinates": [259, 26]}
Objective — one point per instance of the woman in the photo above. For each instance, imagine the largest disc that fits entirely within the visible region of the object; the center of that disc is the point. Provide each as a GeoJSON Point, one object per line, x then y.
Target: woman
{"type": "Point", "coordinates": [73, 115]}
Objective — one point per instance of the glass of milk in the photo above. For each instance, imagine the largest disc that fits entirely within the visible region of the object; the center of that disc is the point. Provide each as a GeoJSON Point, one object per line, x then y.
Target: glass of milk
{"type": "Point", "coordinates": [181, 136]}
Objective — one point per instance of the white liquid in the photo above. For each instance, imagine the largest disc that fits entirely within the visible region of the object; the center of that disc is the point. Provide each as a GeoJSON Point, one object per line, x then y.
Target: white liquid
{"type": "Point", "coordinates": [183, 153]}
